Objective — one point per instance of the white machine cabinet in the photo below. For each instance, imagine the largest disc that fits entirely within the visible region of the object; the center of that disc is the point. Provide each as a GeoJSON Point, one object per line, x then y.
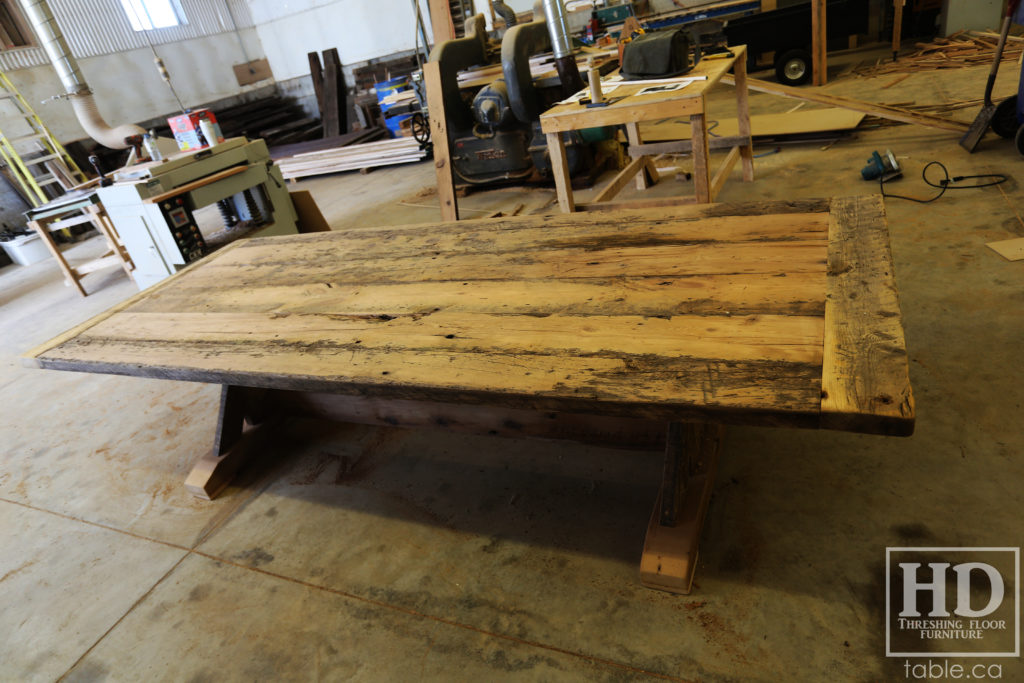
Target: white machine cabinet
{"type": "Point", "coordinates": [152, 204]}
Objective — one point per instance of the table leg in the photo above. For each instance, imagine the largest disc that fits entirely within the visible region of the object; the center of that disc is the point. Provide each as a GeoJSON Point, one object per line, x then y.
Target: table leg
{"type": "Point", "coordinates": [105, 227]}
{"type": "Point", "coordinates": [442, 146]}
{"type": "Point", "coordinates": [70, 276]}
{"type": "Point", "coordinates": [701, 161]}
{"type": "Point", "coordinates": [669, 559]}
{"type": "Point", "coordinates": [633, 136]}
{"type": "Point", "coordinates": [560, 169]}
{"type": "Point", "coordinates": [238, 426]}
{"type": "Point", "coordinates": [743, 116]}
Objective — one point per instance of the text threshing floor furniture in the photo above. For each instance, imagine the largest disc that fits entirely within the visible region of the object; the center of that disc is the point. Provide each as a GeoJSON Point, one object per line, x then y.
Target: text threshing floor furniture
{"type": "Point", "coordinates": [629, 328]}
{"type": "Point", "coordinates": [626, 106]}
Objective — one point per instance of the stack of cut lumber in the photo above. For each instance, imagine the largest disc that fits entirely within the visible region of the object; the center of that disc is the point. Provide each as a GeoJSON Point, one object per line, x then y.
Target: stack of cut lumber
{"type": "Point", "coordinates": [351, 158]}
{"type": "Point", "coordinates": [959, 50]}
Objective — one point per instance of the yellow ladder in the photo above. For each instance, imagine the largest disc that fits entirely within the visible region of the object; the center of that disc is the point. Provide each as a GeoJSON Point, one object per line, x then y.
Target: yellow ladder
{"type": "Point", "coordinates": [46, 151]}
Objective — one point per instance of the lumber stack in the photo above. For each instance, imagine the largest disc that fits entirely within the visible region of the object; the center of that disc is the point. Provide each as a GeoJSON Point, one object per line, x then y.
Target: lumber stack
{"type": "Point", "coordinates": [352, 157]}
{"type": "Point", "coordinates": [959, 50]}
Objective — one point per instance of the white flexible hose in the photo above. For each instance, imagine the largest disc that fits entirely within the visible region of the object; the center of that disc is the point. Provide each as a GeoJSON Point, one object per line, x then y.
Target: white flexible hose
{"type": "Point", "coordinates": [98, 129]}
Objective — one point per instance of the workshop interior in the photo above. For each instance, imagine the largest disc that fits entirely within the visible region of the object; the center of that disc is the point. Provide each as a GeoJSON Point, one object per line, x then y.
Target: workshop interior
{"type": "Point", "coordinates": [511, 339]}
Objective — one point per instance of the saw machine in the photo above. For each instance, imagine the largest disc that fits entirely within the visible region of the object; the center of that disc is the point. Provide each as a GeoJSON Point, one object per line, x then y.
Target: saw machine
{"type": "Point", "coordinates": [152, 204]}
{"type": "Point", "coordinates": [495, 131]}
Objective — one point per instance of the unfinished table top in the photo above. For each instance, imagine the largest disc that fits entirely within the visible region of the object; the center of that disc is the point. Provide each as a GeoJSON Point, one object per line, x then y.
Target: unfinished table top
{"type": "Point", "coordinates": [633, 108]}
{"type": "Point", "coordinates": [780, 313]}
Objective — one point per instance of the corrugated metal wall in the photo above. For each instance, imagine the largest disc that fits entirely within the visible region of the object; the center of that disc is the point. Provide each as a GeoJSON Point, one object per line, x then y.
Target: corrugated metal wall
{"type": "Point", "coordinates": [100, 27]}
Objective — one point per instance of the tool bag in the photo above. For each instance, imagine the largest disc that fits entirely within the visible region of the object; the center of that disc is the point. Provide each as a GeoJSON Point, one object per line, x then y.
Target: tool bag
{"type": "Point", "coordinates": [661, 54]}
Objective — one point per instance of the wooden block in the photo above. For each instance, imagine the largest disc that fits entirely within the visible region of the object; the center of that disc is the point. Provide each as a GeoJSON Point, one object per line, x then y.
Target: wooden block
{"type": "Point", "coordinates": [1012, 250]}
{"type": "Point", "coordinates": [232, 444]}
{"type": "Point", "coordinates": [670, 553]}
{"type": "Point", "coordinates": [252, 72]}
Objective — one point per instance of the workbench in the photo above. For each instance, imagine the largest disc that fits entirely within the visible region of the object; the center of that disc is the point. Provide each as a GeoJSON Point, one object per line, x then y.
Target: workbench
{"type": "Point", "coordinates": [75, 208]}
{"type": "Point", "coordinates": [635, 328]}
{"type": "Point", "coordinates": [628, 105]}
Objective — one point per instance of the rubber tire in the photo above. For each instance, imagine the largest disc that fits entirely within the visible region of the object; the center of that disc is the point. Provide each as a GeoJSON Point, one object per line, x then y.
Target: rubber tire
{"type": "Point", "coordinates": [1004, 121]}
{"type": "Point", "coordinates": [794, 59]}
{"type": "Point", "coordinates": [1019, 140]}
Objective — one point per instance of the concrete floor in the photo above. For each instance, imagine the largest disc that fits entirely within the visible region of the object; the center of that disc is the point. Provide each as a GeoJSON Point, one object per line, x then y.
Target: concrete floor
{"type": "Point", "coordinates": [353, 552]}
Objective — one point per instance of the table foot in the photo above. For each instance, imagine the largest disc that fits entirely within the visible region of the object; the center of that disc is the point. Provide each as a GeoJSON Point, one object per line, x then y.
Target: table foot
{"type": "Point", "coordinates": [238, 427]}
{"type": "Point", "coordinates": [669, 558]}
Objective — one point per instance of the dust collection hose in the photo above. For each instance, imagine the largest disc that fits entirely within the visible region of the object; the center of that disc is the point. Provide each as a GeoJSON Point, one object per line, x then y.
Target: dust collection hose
{"type": "Point", "coordinates": [52, 41]}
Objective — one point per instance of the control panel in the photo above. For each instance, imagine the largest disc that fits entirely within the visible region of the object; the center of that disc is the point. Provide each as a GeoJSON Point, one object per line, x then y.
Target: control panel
{"type": "Point", "coordinates": [183, 229]}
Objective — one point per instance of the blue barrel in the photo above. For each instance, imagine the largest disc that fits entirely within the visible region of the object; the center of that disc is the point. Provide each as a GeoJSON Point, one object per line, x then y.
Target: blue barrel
{"type": "Point", "coordinates": [386, 88]}
{"type": "Point", "coordinates": [394, 124]}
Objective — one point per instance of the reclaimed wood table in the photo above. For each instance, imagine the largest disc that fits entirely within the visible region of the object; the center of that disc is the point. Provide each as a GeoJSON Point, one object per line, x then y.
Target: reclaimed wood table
{"type": "Point", "coordinates": [631, 103]}
{"type": "Point", "coordinates": [645, 328]}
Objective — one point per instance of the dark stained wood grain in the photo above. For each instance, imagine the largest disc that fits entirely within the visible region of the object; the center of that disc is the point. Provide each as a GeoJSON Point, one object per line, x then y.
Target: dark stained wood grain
{"type": "Point", "coordinates": [711, 313]}
{"type": "Point", "coordinates": [865, 381]}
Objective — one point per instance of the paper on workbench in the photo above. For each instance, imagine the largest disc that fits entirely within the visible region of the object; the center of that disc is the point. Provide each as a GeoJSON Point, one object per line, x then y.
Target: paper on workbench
{"type": "Point", "coordinates": [684, 80]}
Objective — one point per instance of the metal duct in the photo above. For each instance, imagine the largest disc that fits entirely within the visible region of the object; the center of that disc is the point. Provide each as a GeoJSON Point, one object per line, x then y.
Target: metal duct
{"type": "Point", "coordinates": [52, 41]}
{"type": "Point", "coordinates": [558, 27]}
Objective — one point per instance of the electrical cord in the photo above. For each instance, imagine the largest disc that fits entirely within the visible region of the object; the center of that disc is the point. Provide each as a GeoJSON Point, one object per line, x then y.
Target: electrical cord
{"type": "Point", "coordinates": [945, 183]}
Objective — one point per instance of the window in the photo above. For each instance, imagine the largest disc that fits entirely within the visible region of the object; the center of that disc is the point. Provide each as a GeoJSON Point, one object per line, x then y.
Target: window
{"type": "Point", "coordinates": [14, 31]}
{"type": "Point", "coordinates": [146, 15]}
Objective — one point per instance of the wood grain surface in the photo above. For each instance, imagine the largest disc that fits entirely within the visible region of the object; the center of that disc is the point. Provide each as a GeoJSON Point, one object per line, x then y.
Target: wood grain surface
{"type": "Point", "coordinates": [713, 312]}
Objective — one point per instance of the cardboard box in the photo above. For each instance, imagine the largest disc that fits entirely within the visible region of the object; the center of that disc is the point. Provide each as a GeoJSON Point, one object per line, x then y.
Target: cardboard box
{"type": "Point", "coordinates": [187, 132]}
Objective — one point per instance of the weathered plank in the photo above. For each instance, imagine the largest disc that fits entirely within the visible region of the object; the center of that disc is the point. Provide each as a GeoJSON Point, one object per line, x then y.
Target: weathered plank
{"type": "Point", "coordinates": [763, 392]}
{"type": "Point", "coordinates": [802, 256]}
{"type": "Point", "coordinates": [728, 338]}
{"type": "Point", "coordinates": [865, 381]}
{"type": "Point", "coordinates": [733, 294]}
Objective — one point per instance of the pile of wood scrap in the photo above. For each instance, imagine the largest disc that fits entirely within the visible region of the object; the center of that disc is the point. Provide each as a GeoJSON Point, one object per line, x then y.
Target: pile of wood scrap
{"type": "Point", "coordinates": [959, 50]}
{"type": "Point", "coordinates": [884, 111]}
{"type": "Point", "coordinates": [354, 138]}
{"type": "Point", "coordinates": [941, 108]}
{"type": "Point", "coordinates": [351, 158]}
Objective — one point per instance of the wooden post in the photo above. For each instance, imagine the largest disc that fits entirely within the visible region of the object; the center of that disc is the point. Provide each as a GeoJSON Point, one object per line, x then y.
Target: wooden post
{"type": "Point", "coordinates": [337, 103]}
{"type": "Point", "coordinates": [897, 27]}
{"type": "Point", "coordinates": [701, 163]}
{"type": "Point", "coordinates": [769, 5]}
{"type": "Point", "coordinates": [819, 41]}
{"type": "Point", "coordinates": [560, 170]}
{"type": "Point", "coordinates": [316, 72]}
{"type": "Point", "coordinates": [739, 70]}
{"type": "Point", "coordinates": [442, 147]}
{"type": "Point", "coordinates": [441, 21]}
